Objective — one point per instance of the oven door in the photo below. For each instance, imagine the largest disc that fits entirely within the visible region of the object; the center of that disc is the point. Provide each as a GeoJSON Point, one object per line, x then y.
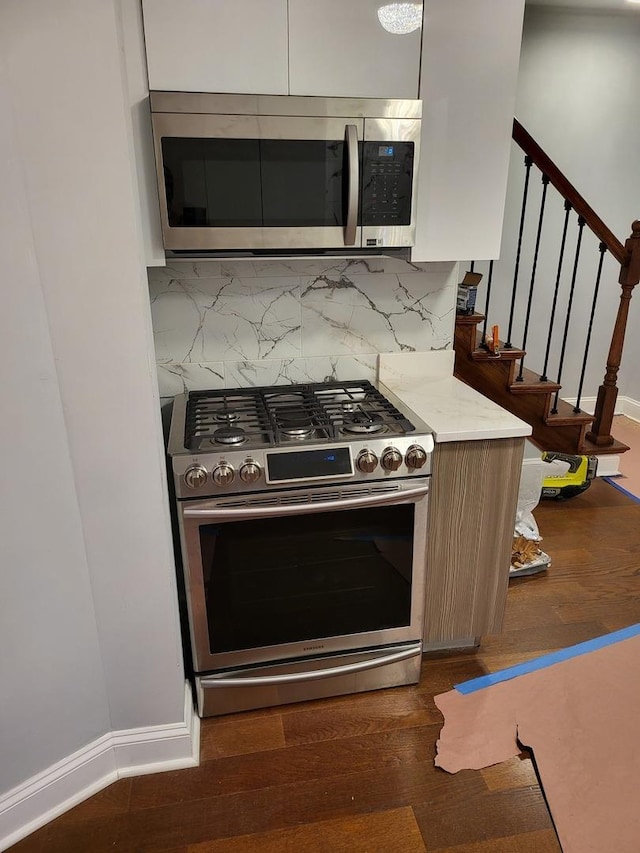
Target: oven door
{"type": "Point", "coordinates": [242, 182]}
{"type": "Point", "coordinates": [305, 573]}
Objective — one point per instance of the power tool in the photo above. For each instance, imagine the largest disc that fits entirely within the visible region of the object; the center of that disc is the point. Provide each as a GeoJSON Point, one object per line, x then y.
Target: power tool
{"type": "Point", "coordinates": [582, 470]}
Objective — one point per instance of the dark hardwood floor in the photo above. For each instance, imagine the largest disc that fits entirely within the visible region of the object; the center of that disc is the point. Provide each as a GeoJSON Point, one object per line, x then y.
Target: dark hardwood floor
{"type": "Point", "coordinates": [356, 773]}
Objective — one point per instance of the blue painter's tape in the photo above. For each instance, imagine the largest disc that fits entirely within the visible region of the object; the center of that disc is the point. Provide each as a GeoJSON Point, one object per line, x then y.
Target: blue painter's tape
{"type": "Point", "coordinates": [620, 488]}
{"type": "Point", "coordinates": [547, 660]}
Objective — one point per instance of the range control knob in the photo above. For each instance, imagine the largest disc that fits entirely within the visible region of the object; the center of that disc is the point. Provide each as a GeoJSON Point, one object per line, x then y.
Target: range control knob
{"type": "Point", "coordinates": [367, 461]}
{"type": "Point", "coordinates": [391, 459]}
{"type": "Point", "coordinates": [416, 457]}
{"type": "Point", "coordinates": [223, 475]}
{"type": "Point", "coordinates": [250, 472]}
{"type": "Point", "coordinates": [195, 476]}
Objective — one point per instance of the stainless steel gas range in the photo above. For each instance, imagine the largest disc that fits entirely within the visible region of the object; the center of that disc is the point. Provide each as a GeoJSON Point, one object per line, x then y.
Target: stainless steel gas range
{"type": "Point", "coordinates": [303, 523]}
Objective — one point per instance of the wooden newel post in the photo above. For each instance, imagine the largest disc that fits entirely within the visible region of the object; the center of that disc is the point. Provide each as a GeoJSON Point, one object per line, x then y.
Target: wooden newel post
{"type": "Point", "coordinates": [600, 433]}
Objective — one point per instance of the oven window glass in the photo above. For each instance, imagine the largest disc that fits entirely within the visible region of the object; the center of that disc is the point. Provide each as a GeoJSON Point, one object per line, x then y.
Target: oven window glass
{"type": "Point", "coordinates": [282, 580]}
{"type": "Point", "coordinates": [221, 183]}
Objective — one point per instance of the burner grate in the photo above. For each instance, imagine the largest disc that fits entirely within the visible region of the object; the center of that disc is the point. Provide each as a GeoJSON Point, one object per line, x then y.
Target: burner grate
{"type": "Point", "coordinates": [240, 410]}
{"type": "Point", "coordinates": [353, 406]}
{"type": "Point", "coordinates": [297, 415]}
{"type": "Point", "coordinates": [267, 416]}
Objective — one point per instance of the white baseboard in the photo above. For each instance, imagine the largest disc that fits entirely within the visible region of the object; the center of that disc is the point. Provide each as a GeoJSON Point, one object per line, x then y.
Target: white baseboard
{"type": "Point", "coordinates": [629, 407]}
{"type": "Point", "coordinates": [113, 756]}
{"type": "Point", "coordinates": [624, 406]}
{"type": "Point", "coordinates": [608, 465]}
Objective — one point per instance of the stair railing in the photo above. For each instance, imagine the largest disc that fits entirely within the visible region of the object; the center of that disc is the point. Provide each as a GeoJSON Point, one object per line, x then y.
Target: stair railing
{"type": "Point", "coordinates": [627, 255]}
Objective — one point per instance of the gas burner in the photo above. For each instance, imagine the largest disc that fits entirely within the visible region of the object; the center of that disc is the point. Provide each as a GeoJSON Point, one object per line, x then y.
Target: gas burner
{"type": "Point", "coordinates": [295, 423]}
{"type": "Point", "coordinates": [285, 398]}
{"type": "Point", "coordinates": [229, 435]}
{"type": "Point", "coordinates": [297, 432]}
{"type": "Point", "coordinates": [348, 406]}
{"type": "Point", "coordinates": [362, 422]}
{"type": "Point", "coordinates": [226, 416]}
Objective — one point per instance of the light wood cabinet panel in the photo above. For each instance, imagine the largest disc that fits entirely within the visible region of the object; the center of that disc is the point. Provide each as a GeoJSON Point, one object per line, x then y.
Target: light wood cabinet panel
{"type": "Point", "coordinates": [472, 510]}
{"type": "Point", "coordinates": [217, 45]}
{"type": "Point", "coordinates": [339, 49]}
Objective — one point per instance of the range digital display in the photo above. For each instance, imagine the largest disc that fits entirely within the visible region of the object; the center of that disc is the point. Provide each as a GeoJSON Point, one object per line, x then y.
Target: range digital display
{"type": "Point", "coordinates": [309, 463]}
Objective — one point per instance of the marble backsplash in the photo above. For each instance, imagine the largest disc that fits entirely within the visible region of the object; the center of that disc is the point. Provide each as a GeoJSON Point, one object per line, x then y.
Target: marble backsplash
{"type": "Point", "coordinates": [237, 323]}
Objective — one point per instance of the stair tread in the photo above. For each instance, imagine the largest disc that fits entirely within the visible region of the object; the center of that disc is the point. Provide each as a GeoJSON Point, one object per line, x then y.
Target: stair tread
{"type": "Point", "coordinates": [531, 384]}
{"type": "Point", "coordinates": [566, 415]}
{"type": "Point", "coordinates": [469, 319]}
{"type": "Point", "coordinates": [589, 447]}
{"type": "Point", "coordinates": [481, 353]}
{"type": "Point", "coordinates": [586, 447]}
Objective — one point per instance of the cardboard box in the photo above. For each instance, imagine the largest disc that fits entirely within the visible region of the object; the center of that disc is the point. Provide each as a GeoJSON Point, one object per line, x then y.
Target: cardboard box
{"type": "Point", "coordinates": [467, 292]}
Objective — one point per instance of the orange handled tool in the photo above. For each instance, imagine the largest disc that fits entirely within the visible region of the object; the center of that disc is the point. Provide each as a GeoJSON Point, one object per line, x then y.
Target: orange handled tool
{"type": "Point", "coordinates": [495, 339]}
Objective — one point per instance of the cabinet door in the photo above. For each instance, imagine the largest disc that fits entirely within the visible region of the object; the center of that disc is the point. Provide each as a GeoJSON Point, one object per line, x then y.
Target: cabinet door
{"type": "Point", "coordinates": [141, 140]}
{"type": "Point", "coordinates": [470, 56]}
{"type": "Point", "coordinates": [472, 511]}
{"type": "Point", "coordinates": [217, 45]}
{"type": "Point", "coordinates": [340, 49]}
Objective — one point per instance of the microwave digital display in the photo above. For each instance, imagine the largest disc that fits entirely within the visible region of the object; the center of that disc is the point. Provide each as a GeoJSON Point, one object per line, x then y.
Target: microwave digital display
{"type": "Point", "coordinates": [385, 151]}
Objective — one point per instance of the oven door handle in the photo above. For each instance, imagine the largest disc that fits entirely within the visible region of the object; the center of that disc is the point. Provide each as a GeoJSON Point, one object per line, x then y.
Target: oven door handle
{"type": "Point", "coordinates": [311, 675]}
{"type": "Point", "coordinates": [273, 511]}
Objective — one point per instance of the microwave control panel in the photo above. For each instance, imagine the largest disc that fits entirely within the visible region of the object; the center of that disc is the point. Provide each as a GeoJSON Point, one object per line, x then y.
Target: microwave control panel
{"type": "Point", "coordinates": [387, 178]}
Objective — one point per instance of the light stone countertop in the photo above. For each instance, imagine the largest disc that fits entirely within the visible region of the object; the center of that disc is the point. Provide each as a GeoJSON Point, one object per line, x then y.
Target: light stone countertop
{"type": "Point", "coordinates": [424, 381]}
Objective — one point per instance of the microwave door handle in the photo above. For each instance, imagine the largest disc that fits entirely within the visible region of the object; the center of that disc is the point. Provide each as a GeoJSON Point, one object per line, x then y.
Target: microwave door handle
{"type": "Point", "coordinates": [353, 166]}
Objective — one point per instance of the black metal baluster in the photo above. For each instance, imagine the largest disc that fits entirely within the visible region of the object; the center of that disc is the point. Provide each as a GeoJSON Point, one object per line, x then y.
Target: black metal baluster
{"type": "Point", "coordinates": [543, 200]}
{"type": "Point", "coordinates": [581, 224]}
{"type": "Point", "coordinates": [528, 163]}
{"type": "Point", "coordinates": [568, 208]}
{"type": "Point", "coordinates": [602, 249]}
{"type": "Point", "coordinates": [486, 304]}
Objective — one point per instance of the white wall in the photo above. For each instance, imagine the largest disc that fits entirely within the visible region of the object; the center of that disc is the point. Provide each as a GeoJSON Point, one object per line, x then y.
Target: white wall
{"type": "Point", "coordinates": [577, 97]}
{"type": "Point", "coordinates": [85, 515]}
{"type": "Point", "coordinates": [577, 94]}
{"type": "Point", "coordinates": [52, 697]}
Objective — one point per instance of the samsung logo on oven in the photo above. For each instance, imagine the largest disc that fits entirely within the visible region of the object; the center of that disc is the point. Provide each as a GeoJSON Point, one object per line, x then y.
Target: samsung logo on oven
{"type": "Point", "coordinates": [312, 648]}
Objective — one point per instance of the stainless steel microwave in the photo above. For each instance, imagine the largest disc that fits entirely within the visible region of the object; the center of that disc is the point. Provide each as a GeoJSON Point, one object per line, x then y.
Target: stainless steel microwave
{"type": "Point", "coordinates": [254, 173]}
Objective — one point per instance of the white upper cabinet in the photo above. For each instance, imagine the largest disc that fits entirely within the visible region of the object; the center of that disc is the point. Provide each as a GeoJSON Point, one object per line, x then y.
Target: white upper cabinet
{"type": "Point", "coordinates": [470, 57]}
{"type": "Point", "coordinates": [217, 45]}
{"type": "Point", "coordinates": [330, 48]}
{"type": "Point", "coordinates": [141, 139]}
{"type": "Point", "coordinates": [340, 49]}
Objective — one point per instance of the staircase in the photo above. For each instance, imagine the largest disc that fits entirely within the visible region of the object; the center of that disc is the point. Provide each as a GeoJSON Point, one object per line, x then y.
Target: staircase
{"type": "Point", "coordinates": [563, 431]}
{"type": "Point", "coordinates": [500, 375]}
